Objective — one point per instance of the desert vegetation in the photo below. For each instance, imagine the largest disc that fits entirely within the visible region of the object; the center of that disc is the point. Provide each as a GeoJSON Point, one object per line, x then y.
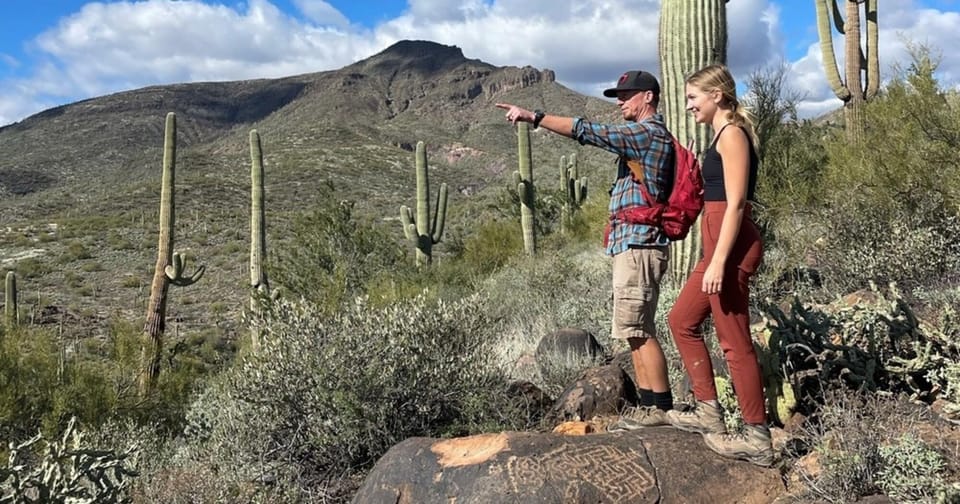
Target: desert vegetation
{"type": "Point", "coordinates": [366, 340]}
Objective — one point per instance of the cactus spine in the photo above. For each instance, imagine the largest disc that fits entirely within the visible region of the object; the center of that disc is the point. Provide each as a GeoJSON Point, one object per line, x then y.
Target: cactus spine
{"type": "Point", "coordinates": [258, 240]}
{"type": "Point", "coordinates": [421, 232]}
{"type": "Point", "coordinates": [574, 188]}
{"type": "Point", "coordinates": [169, 268]}
{"type": "Point", "coordinates": [855, 91]}
{"type": "Point", "coordinates": [524, 180]}
{"type": "Point", "coordinates": [692, 36]}
{"type": "Point", "coordinates": [10, 307]}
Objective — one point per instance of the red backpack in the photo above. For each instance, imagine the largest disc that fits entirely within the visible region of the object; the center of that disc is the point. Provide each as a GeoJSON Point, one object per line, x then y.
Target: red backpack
{"type": "Point", "coordinates": [677, 215]}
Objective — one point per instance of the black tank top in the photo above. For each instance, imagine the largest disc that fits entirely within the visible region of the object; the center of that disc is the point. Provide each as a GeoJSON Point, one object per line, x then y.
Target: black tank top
{"type": "Point", "coordinates": [712, 169]}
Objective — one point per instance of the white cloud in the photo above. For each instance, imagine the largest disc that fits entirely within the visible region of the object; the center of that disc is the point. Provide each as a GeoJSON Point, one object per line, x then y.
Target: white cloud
{"type": "Point", "coordinates": [107, 47]}
{"type": "Point", "coordinates": [322, 13]}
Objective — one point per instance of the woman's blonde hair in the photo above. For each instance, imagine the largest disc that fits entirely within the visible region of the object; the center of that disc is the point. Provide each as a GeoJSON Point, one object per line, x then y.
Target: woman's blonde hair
{"type": "Point", "coordinates": [718, 78]}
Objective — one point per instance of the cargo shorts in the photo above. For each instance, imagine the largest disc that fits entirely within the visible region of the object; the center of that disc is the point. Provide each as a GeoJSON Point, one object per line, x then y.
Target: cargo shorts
{"type": "Point", "coordinates": [636, 288]}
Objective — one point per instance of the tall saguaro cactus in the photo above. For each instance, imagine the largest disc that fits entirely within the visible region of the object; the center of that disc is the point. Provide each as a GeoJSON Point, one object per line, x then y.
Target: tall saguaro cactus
{"type": "Point", "coordinates": [421, 231]}
{"type": "Point", "coordinates": [524, 180]}
{"type": "Point", "coordinates": [861, 66]}
{"type": "Point", "coordinates": [258, 239]}
{"type": "Point", "coordinates": [574, 189]}
{"type": "Point", "coordinates": [10, 308]}
{"type": "Point", "coordinates": [692, 36]}
{"type": "Point", "coordinates": [169, 269]}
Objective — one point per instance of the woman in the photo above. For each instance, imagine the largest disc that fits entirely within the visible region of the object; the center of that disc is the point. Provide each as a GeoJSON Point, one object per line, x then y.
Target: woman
{"type": "Point", "coordinates": [719, 284]}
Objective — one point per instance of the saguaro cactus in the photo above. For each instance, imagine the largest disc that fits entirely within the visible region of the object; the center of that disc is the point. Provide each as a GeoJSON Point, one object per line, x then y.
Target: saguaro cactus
{"type": "Point", "coordinates": [524, 180]}
{"type": "Point", "coordinates": [258, 239]}
{"type": "Point", "coordinates": [692, 36]}
{"type": "Point", "coordinates": [862, 67]}
{"type": "Point", "coordinates": [10, 308]}
{"type": "Point", "coordinates": [574, 188]}
{"type": "Point", "coordinates": [422, 232]}
{"type": "Point", "coordinates": [169, 269]}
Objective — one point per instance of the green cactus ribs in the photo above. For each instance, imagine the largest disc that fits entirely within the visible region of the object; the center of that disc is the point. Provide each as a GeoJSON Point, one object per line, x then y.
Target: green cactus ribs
{"type": "Point", "coordinates": [692, 36]}
{"type": "Point", "coordinates": [420, 230]}
{"type": "Point", "coordinates": [11, 310]}
{"type": "Point", "coordinates": [523, 178]}
{"type": "Point", "coordinates": [170, 267]}
{"type": "Point", "coordinates": [574, 189]}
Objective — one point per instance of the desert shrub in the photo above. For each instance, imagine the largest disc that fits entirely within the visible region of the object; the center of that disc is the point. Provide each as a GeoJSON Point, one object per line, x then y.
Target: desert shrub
{"type": "Point", "coordinates": [492, 245]}
{"type": "Point", "coordinates": [892, 203]}
{"type": "Point", "coordinates": [43, 385]}
{"type": "Point", "coordinates": [329, 253]}
{"type": "Point", "coordinates": [911, 471]}
{"type": "Point", "coordinates": [868, 443]}
{"type": "Point", "coordinates": [327, 396]}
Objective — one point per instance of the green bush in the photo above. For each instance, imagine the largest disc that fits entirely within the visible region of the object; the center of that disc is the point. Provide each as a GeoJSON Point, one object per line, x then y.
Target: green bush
{"type": "Point", "coordinates": [911, 470]}
{"type": "Point", "coordinates": [893, 204]}
{"type": "Point", "coordinates": [330, 253]}
{"type": "Point", "coordinates": [328, 396]}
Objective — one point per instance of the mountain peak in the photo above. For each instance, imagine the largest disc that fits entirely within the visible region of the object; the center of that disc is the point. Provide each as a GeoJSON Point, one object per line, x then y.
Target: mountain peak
{"type": "Point", "coordinates": [423, 55]}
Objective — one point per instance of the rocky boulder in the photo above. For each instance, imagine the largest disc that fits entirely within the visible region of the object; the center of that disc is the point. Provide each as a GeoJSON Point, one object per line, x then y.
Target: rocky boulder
{"type": "Point", "coordinates": [654, 465]}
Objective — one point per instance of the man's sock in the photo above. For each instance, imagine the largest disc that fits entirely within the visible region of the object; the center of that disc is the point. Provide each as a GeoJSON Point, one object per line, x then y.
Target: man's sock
{"type": "Point", "coordinates": [646, 397]}
{"type": "Point", "coordinates": [663, 400]}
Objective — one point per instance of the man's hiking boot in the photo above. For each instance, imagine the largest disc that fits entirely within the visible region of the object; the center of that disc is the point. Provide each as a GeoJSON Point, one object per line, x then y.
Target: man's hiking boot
{"type": "Point", "coordinates": [639, 417]}
{"type": "Point", "coordinates": [752, 444]}
{"type": "Point", "coordinates": [704, 418]}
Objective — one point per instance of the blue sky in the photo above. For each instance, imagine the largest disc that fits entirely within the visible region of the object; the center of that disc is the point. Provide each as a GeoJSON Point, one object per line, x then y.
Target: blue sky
{"type": "Point", "coordinates": [59, 51]}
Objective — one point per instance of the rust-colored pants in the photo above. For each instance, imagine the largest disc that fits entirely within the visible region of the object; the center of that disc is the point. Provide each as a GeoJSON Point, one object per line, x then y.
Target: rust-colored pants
{"type": "Point", "coordinates": [730, 310]}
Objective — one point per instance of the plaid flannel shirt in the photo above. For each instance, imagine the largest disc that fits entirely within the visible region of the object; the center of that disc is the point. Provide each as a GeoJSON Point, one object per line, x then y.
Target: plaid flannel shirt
{"type": "Point", "coordinates": [647, 141]}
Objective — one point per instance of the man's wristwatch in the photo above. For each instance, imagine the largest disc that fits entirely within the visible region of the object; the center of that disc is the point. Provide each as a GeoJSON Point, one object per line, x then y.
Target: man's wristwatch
{"type": "Point", "coordinates": [537, 117]}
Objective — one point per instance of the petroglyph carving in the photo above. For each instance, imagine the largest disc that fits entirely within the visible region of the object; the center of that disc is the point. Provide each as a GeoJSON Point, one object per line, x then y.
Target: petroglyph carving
{"type": "Point", "coordinates": [617, 472]}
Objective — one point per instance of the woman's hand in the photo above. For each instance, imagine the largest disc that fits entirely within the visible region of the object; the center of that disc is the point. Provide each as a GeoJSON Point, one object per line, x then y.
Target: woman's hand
{"type": "Point", "coordinates": [712, 279]}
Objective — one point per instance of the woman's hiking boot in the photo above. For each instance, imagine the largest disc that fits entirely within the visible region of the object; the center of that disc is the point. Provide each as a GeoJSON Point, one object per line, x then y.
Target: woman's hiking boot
{"type": "Point", "coordinates": [705, 418]}
{"type": "Point", "coordinates": [752, 444]}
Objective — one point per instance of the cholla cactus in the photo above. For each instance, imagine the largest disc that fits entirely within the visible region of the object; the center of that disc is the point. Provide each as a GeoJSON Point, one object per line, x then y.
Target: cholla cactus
{"type": "Point", "coordinates": [67, 473]}
{"type": "Point", "coordinates": [781, 400]}
{"type": "Point", "coordinates": [870, 340]}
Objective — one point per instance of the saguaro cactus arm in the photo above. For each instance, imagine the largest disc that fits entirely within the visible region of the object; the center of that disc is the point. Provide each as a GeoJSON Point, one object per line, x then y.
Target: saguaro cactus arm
{"type": "Point", "coordinates": [872, 57]}
{"type": "Point", "coordinates": [408, 223]}
{"type": "Point", "coordinates": [439, 215]}
{"type": "Point", "coordinates": [174, 271]}
{"type": "Point", "coordinates": [827, 10]}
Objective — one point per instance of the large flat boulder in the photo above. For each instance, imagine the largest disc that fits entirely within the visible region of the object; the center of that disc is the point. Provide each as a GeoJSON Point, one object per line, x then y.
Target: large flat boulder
{"type": "Point", "coordinates": [653, 465]}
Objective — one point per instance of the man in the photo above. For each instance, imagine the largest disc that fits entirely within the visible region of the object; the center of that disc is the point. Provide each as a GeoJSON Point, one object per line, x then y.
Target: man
{"type": "Point", "coordinates": [639, 251]}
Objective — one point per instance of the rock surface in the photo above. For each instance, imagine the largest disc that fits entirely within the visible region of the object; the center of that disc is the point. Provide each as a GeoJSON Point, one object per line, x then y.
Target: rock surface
{"type": "Point", "coordinates": [654, 465]}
